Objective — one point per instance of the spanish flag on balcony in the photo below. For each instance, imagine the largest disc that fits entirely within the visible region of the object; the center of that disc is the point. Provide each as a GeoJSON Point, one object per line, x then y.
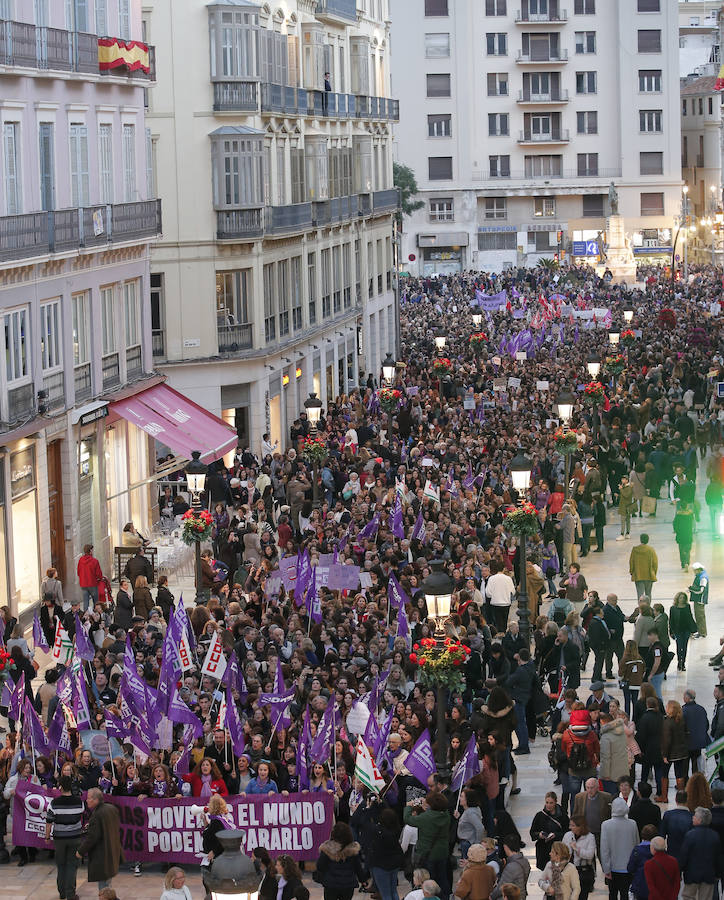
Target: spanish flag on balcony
{"type": "Point", "coordinates": [114, 53]}
{"type": "Point", "coordinates": [719, 85]}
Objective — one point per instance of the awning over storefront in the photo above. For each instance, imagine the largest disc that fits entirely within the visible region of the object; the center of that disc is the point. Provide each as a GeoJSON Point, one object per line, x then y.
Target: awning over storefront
{"type": "Point", "coordinates": [177, 422]}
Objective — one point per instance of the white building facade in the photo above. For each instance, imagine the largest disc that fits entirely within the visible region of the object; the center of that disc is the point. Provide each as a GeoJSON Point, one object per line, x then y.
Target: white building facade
{"type": "Point", "coordinates": [275, 274]}
{"type": "Point", "coordinates": [77, 217]}
{"type": "Point", "coordinates": [516, 115]}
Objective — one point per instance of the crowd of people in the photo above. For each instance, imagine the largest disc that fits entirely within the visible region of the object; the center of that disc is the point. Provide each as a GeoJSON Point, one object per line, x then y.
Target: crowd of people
{"type": "Point", "coordinates": [400, 489]}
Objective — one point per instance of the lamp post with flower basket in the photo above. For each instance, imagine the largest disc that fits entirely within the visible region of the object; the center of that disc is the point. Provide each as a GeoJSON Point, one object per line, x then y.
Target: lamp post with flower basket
{"type": "Point", "coordinates": [477, 341]}
{"type": "Point", "coordinates": [522, 521]}
{"type": "Point", "coordinates": [441, 659]}
{"type": "Point", "coordinates": [196, 522]}
{"type": "Point", "coordinates": [565, 403]}
{"type": "Point", "coordinates": [314, 450]}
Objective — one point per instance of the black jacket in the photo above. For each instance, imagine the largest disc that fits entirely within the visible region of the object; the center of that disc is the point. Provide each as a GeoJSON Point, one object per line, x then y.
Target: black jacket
{"type": "Point", "coordinates": [48, 618]}
{"type": "Point", "coordinates": [340, 868]}
{"type": "Point", "coordinates": [520, 684]}
{"type": "Point", "coordinates": [597, 635]}
{"type": "Point", "coordinates": [124, 610]}
{"type": "Point", "coordinates": [648, 735]}
{"type": "Point", "coordinates": [138, 565]}
{"type": "Point", "coordinates": [645, 812]}
{"type": "Point", "coordinates": [295, 890]}
{"type": "Point", "coordinates": [268, 887]}
{"type": "Point", "coordinates": [614, 618]}
{"type": "Point", "coordinates": [165, 599]}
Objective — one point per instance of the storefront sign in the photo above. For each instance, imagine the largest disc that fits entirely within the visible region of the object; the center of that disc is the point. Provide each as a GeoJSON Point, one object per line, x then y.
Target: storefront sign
{"type": "Point", "coordinates": [295, 824]}
{"type": "Point", "coordinates": [94, 415]}
{"type": "Point", "coordinates": [22, 472]}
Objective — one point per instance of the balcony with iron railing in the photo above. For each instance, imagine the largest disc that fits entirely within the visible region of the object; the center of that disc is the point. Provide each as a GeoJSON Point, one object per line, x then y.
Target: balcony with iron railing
{"type": "Point", "coordinates": [83, 382]}
{"type": "Point", "coordinates": [111, 369]}
{"type": "Point", "coordinates": [54, 387]}
{"type": "Point", "coordinates": [27, 46]}
{"type": "Point", "coordinates": [134, 361]}
{"type": "Point", "coordinates": [552, 17]}
{"type": "Point", "coordinates": [554, 136]}
{"type": "Point", "coordinates": [234, 337]}
{"type": "Point", "coordinates": [158, 343]}
{"type": "Point", "coordinates": [257, 222]}
{"type": "Point", "coordinates": [66, 230]}
{"type": "Point", "coordinates": [344, 11]}
{"type": "Point", "coordinates": [516, 179]}
{"type": "Point", "coordinates": [551, 98]}
{"type": "Point", "coordinates": [296, 101]}
{"type": "Point", "coordinates": [537, 58]}
{"type": "Point", "coordinates": [233, 96]}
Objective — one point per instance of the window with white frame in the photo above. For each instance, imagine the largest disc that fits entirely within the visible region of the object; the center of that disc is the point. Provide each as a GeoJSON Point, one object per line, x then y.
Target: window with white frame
{"type": "Point", "coordinates": [238, 166]}
{"type": "Point", "coordinates": [442, 209]}
{"type": "Point", "coordinates": [586, 82]}
{"type": "Point", "coordinates": [497, 84]}
{"type": "Point", "coordinates": [544, 207]}
{"type": "Point", "coordinates": [439, 126]}
{"type": "Point", "coordinates": [79, 173]}
{"type": "Point", "coordinates": [81, 328]}
{"type": "Point", "coordinates": [496, 43]}
{"type": "Point", "coordinates": [587, 122]}
{"type": "Point", "coordinates": [124, 19]}
{"type": "Point", "coordinates": [105, 162]}
{"type": "Point", "coordinates": [129, 163]}
{"type": "Point", "coordinates": [11, 165]}
{"type": "Point", "coordinates": [101, 18]}
{"type": "Point", "coordinates": [232, 296]}
{"type": "Point", "coordinates": [650, 121]}
{"type": "Point", "coordinates": [437, 45]}
{"type": "Point", "coordinates": [499, 166]}
{"type": "Point", "coordinates": [17, 348]}
{"type": "Point", "coordinates": [496, 208]}
{"type": "Point", "coordinates": [108, 325]}
{"type": "Point", "coordinates": [131, 313]}
{"type": "Point", "coordinates": [498, 124]}
{"type": "Point", "coordinates": [587, 164]}
{"type": "Point", "coordinates": [270, 304]}
{"type": "Point", "coordinates": [650, 81]}
{"type": "Point", "coordinates": [50, 337]}
{"type": "Point", "coordinates": [585, 42]}
{"type": "Point", "coordinates": [150, 166]}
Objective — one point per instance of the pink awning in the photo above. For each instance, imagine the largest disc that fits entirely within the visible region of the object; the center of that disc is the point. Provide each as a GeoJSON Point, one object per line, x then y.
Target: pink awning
{"type": "Point", "coordinates": [177, 422]}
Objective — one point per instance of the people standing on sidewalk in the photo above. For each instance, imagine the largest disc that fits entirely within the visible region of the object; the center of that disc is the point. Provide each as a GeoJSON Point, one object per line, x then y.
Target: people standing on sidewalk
{"type": "Point", "coordinates": [631, 671]}
{"type": "Point", "coordinates": [681, 627]}
{"type": "Point", "coordinates": [90, 576]}
{"type": "Point", "coordinates": [683, 526]}
{"type": "Point", "coordinates": [619, 836]}
{"type": "Point", "coordinates": [64, 821]}
{"type": "Point", "coordinates": [626, 505]}
{"type": "Point", "coordinates": [697, 727]}
{"type": "Point", "coordinates": [699, 594]}
{"type": "Point", "coordinates": [613, 617]}
{"type": "Point", "coordinates": [643, 565]}
{"type": "Point", "coordinates": [674, 747]}
{"type": "Point", "coordinates": [102, 840]}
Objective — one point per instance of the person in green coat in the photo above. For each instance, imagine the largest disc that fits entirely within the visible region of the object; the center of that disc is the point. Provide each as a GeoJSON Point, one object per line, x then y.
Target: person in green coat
{"type": "Point", "coordinates": [684, 531]}
{"type": "Point", "coordinates": [625, 507]}
{"type": "Point", "coordinates": [681, 626]}
{"type": "Point", "coordinates": [431, 817]}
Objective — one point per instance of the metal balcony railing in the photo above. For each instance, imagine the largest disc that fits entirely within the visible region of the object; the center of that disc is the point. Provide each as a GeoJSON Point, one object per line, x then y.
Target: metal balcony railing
{"type": "Point", "coordinates": [518, 176]}
{"type": "Point", "coordinates": [280, 98]}
{"type": "Point", "coordinates": [337, 9]}
{"type": "Point", "coordinates": [30, 46]}
{"type": "Point", "coordinates": [63, 230]}
{"type": "Point", "coordinates": [232, 338]}
{"type": "Point", "coordinates": [553, 56]}
{"type": "Point", "coordinates": [134, 362]}
{"type": "Point", "coordinates": [385, 200]}
{"type": "Point", "coordinates": [54, 387]}
{"type": "Point", "coordinates": [236, 95]}
{"type": "Point", "coordinates": [554, 136]}
{"type": "Point", "coordinates": [111, 368]}
{"type": "Point", "coordinates": [83, 382]}
{"type": "Point", "coordinates": [21, 403]}
{"type": "Point", "coordinates": [158, 343]}
{"type": "Point", "coordinates": [552, 17]}
{"type": "Point", "coordinates": [550, 97]}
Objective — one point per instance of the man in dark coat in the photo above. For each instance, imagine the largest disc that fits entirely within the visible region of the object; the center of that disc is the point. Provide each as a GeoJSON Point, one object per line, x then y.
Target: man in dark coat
{"type": "Point", "coordinates": [643, 810]}
{"type": "Point", "coordinates": [598, 639]}
{"type": "Point", "coordinates": [124, 605]}
{"type": "Point", "coordinates": [697, 727]}
{"type": "Point", "coordinates": [138, 565]}
{"type": "Point", "coordinates": [701, 858]}
{"type": "Point", "coordinates": [102, 841]}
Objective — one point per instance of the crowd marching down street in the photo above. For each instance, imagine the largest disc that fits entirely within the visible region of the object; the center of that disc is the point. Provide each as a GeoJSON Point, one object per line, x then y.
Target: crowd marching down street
{"type": "Point", "coordinates": [396, 609]}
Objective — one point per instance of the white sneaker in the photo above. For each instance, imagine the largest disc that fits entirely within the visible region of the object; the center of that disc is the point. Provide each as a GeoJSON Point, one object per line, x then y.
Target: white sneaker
{"type": "Point", "coordinates": [627, 537]}
{"type": "Point", "coordinates": [137, 869]}
{"type": "Point", "coordinates": [620, 537]}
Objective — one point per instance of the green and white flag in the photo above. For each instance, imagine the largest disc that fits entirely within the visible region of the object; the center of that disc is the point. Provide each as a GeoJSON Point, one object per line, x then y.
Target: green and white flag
{"type": "Point", "coordinates": [365, 768]}
{"type": "Point", "coordinates": [431, 492]}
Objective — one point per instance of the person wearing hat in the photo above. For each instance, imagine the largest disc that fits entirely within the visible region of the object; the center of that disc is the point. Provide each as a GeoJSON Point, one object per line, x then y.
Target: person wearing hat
{"type": "Point", "coordinates": [699, 596]}
{"type": "Point", "coordinates": [478, 878]}
{"type": "Point", "coordinates": [582, 750]}
{"type": "Point", "coordinates": [599, 695]}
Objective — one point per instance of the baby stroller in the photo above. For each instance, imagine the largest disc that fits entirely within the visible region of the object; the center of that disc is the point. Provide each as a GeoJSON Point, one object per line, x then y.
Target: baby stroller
{"type": "Point", "coordinates": [547, 720]}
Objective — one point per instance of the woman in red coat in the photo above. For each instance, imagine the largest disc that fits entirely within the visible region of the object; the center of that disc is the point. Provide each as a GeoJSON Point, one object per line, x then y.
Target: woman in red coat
{"type": "Point", "coordinates": [206, 780]}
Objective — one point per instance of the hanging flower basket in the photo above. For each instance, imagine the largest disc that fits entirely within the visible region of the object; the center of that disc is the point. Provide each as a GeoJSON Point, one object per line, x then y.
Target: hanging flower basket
{"type": "Point", "coordinates": [314, 450]}
{"type": "Point", "coordinates": [615, 365]}
{"type": "Point", "coordinates": [566, 441]}
{"type": "Point", "coordinates": [389, 399]}
{"type": "Point", "coordinates": [628, 337]}
{"type": "Point", "coordinates": [522, 520]}
{"type": "Point", "coordinates": [478, 341]}
{"type": "Point", "coordinates": [440, 663]}
{"type": "Point", "coordinates": [667, 318]}
{"type": "Point", "coordinates": [593, 393]}
{"type": "Point", "coordinates": [196, 526]}
{"type": "Point", "coordinates": [7, 665]}
{"type": "Point", "coordinates": [442, 365]}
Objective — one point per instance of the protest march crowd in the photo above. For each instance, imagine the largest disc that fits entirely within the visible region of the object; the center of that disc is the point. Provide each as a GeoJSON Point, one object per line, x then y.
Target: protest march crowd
{"type": "Point", "coordinates": [313, 665]}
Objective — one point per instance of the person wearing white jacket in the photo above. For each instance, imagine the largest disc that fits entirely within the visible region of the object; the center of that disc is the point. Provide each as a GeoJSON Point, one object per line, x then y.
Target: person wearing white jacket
{"type": "Point", "coordinates": [175, 884]}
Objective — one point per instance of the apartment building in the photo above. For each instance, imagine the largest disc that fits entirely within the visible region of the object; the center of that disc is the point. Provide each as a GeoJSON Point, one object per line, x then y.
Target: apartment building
{"type": "Point", "coordinates": [271, 130]}
{"type": "Point", "coordinates": [516, 115]}
{"type": "Point", "coordinates": [77, 217]}
{"type": "Point", "coordinates": [699, 37]}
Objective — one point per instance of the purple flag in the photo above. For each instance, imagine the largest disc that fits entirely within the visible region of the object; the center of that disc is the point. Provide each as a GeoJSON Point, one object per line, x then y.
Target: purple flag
{"type": "Point", "coordinates": [315, 605]}
{"type": "Point", "coordinates": [39, 635]}
{"type": "Point", "coordinates": [233, 723]}
{"type": "Point", "coordinates": [372, 731]}
{"type": "Point", "coordinates": [303, 747]}
{"type": "Point", "coordinates": [181, 766]}
{"type": "Point", "coordinates": [403, 626]}
{"type": "Point", "coordinates": [378, 686]}
{"type": "Point", "coordinates": [396, 526]}
{"type": "Point", "coordinates": [304, 575]}
{"type": "Point", "coordinates": [114, 726]}
{"type": "Point", "coordinates": [420, 762]}
{"type": "Point", "coordinates": [396, 596]}
{"type": "Point", "coordinates": [279, 686]}
{"type": "Point", "coordinates": [180, 714]}
{"type": "Point", "coordinates": [277, 701]}
{"type": "Point", "coordinates": [17, 695]}
{"type": "Point", "coordinates": [383, 736]}
{"type": "Point", "coordinates": [58, 736]}
{"type": "Point", "coordinates": [468, 767]}
{"type": "Point", "coordinates": [418, 529]}
{"type": "Point", "coordinates": [576, 334]}
{"type": "Point", "coordinates": [370, 529]}
{"type": "Point", "coordinates": [322, 746]}
{"type": "Point", "coordinates": [469, 480]}
{"type": "Point", "coordinates": [33, 733]}
{"type": "Point", "coordinates": [83, 646]}
{"type": "Point", "coordinates": [81, 707]}
{"type": "Point", "coordinates": [480, 477]}
{"type": "Point", "coordinates": [234, 678]}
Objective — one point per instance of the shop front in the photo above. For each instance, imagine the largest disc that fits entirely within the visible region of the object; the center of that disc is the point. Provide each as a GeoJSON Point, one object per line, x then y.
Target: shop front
{"type": "Point", "coordinates": [24, 524]}
{"type": "Point", "coordinates": [442, 254]}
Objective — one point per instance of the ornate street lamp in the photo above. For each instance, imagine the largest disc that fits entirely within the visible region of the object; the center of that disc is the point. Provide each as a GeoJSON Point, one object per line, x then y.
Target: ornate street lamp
{"type": "Point", "coordinates": [195, 481]}
{"type": "Point", "coordinates": [520, 469]}
{"type": "Point", "coordinates": [628, 314]}
{"type": "Point", "coordinates": [614, 337]}
{"type": "Point", "coordinates": [438, 588]}
{"type": "Point", "coordinates": [388, 368]}
{"type": "Point", "coordinates": [440, 340]}
{"type": "Point", "coordinates": [565, 403]}
{"type": "Point", "coordinates": [232, 875]}
{"type": "Point", "coordinates": [594, 366]}
{"type": "Point", "coordinates": [477, 320]}
{"type": "Point", "coordinates": [313, 407]}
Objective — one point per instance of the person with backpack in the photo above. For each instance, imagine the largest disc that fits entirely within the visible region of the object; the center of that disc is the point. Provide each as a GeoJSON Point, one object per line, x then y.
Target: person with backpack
{"type": "Point", "coordinates": [559, 610]}
{"type": "Point", "coordinates": [661, 659]}
{"type": "Point", "coordinates": [581, 748]}
{"type": "Point", "coordinates": [631, 673]}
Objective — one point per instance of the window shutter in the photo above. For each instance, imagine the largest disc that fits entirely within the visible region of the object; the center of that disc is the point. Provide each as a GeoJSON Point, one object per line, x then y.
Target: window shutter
{"type": "Point", "coordinates": [293, 56]}
{"type": "Point", "coordinates": [129, 163]}
{"type": "Point", "coordinates": [12, 180]}
{"type": "Point", "coordinates": [649, 41]}
{"type": "Point", "coordinates": [440, 168]}
{"type": "Point", "coordinates": [652, 162]}
{"type": "Point", "coordinates": [124, 19]}
{"type": "Point", "coordinates": [74, 166]}
{"type": "Point", "coordinates": [101, 18]}
{"type": "Point", "coordinates": [105, 162]}
{"type": "Point", "coordinates": [150, 180]}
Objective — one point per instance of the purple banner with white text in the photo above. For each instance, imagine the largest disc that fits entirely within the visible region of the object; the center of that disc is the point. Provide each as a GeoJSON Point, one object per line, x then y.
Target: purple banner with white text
{"type": "Point", "coordinates": [295, 824]}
